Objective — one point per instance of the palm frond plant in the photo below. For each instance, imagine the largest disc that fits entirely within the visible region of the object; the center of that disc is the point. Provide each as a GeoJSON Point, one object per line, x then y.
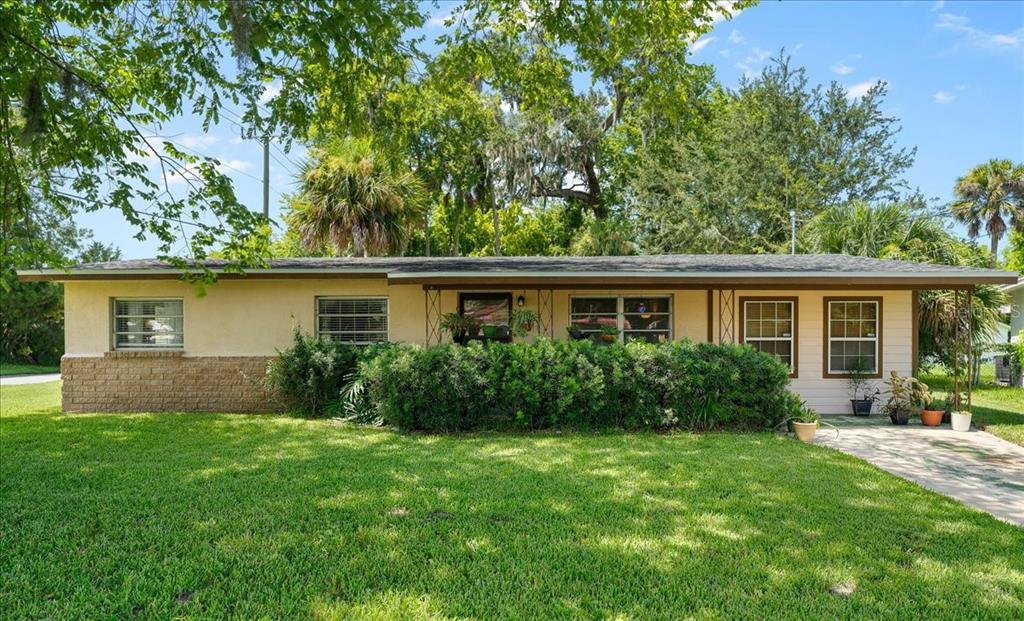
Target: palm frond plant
{"type": "Point", "coordinates": [357, 202]}
{"type": "Point", "coordinates": [991, 196]}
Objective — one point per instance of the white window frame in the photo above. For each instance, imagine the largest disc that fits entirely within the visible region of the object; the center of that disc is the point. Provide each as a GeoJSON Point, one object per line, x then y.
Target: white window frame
{"type": "Point", "coordinates": [387, 317]}
{"type": "Point", "coordinates": [115, 346]}
{"type": "Point", "coordinates": [876, 370]}
{"type": "Point", "coordinates": [791, 339]}
{"type": "Point", "coordinates": [620, 314]}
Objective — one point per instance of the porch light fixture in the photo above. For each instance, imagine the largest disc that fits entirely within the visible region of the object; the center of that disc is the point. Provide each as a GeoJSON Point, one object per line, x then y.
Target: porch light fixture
{"type": "Point", "coordinates": [520, 301]}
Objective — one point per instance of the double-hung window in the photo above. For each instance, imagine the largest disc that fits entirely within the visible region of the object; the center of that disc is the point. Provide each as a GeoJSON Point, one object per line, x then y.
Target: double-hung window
{"type": "Point", "coordinates": [352, 320]}
{"type": "Point", "coordinates": [769, 325]}
{"type": "Point", "coordinates": [854, 335]}
{"type": "Point", "coordinates": [646, 318]}
{"type": "Point", "coordinates": [149, 323]}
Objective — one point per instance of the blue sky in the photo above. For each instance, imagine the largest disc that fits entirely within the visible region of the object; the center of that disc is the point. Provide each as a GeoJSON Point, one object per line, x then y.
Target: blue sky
{"type": "Point", "coordinates": [955, 72]}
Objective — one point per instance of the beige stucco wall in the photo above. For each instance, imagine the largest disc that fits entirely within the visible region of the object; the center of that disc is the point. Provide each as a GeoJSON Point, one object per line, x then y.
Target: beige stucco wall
{"type": "Point", "coordinates": [256, 317]}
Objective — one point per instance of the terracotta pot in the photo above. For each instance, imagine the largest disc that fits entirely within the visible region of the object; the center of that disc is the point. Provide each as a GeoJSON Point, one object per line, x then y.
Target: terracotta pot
{"type": "Point", "coordinates": [805, 431]}
{"type": "Point", "coordinates": [931, 418]}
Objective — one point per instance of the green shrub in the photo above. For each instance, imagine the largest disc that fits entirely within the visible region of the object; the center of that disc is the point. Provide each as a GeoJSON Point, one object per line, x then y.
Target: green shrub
{"type": "Point", "coordinates": [574, 384]}
{"type": "Point", "coordinates": [310, 375]}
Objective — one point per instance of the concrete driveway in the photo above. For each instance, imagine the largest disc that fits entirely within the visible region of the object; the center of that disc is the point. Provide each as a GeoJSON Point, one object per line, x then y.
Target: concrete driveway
{"type": "Point", "coordinates": [974, 467]}
{"type": "Point", "coordinates": [11, 380]}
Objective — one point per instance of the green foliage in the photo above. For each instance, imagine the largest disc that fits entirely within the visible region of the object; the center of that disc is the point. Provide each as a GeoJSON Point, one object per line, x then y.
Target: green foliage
{"type": "Point", "coordinates": [576, 384]}
{"type": "Point", "coordinates": [775, 145]}
{"type": "Point", "coordinates": [353, 199]}
{"type": "Point", "coordinates": [32, 322]}
{"type": "Point", "coordinates": [1014, 252]}
{"type": "Point", "coordinates": [991, 196]}
{"type": "Point", "coordinates": [310, 375]}
{"type": "Point", "coordinates": [86, 85]}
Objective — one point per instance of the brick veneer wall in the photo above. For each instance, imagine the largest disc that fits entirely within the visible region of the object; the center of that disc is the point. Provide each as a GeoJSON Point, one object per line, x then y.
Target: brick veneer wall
{"type": "Point", "coordinates": [164, 381]}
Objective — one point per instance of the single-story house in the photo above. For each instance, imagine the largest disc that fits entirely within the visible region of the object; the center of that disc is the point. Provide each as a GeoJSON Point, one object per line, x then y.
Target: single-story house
{"type": "Point", "coordinates": [138, 338]}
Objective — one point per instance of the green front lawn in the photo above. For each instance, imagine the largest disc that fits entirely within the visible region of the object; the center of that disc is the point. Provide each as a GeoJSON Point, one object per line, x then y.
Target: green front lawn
{"type": "Point", "coordinates": [216, 516]}
{"type": "Point", "coordinates": [19, 368]}
{"type": "Point", "coordinates": [998, 410]}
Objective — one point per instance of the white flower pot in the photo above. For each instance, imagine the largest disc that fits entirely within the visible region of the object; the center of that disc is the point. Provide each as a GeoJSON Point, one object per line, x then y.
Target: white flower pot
{"type": "Point", "coordinates": [961, 421]}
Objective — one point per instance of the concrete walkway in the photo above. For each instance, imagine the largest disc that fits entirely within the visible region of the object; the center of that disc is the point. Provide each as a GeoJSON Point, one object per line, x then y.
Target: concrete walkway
{"type": "Point", "coordinates": [974, 467]}
{"type": "Point", "coordinates": [11, 380]}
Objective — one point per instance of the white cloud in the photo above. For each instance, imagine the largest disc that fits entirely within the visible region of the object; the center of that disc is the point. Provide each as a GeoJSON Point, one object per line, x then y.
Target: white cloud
{"type": "Point", "coordinates": [196, 141]}
{"type": "Point", "coordinates": [722, 8]}
{"type": "Point", "coordinates": [842, 69]}
{"type": "Point", "coordinates": [736, 37]}
{"type": "Point", "coordinates": [942, 97]}
{"type": "Point", "coordinates": [270, 91]}
{"type": "Point", "coordinates": [860, 88]}
{"type": "Point", "coordinates": [978, 37]}
{"type": "Point", "coordinates": [437, 20]}
{"type": "Point", "coordinates": [700, 44]}
{"type": "Point", "coordinates": [753, 61]}
{"type": "Point", "coordinates": [937, 6]}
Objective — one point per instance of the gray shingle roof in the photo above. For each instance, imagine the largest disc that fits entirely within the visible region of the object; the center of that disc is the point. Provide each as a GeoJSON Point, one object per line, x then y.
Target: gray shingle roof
{"type": "Point", "coordinates": [653, 264]}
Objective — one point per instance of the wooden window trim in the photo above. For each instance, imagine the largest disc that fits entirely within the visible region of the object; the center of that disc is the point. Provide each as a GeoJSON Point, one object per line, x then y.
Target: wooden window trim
{"type": "Point", "coordinates": [795, 355]}
{"type": "Point", "coordinates": [826, 327]}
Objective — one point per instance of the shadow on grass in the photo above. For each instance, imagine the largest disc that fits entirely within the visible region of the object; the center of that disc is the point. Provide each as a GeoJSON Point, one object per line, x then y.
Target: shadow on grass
{"type": "Point", "coordinates": [257, 516]}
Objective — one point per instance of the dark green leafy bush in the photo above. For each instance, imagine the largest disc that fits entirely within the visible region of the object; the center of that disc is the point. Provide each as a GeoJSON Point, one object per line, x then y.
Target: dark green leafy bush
{"type": "Point", "coordinates": [310, 375]}
{"type": "Point", "coordinates": [574, 384]}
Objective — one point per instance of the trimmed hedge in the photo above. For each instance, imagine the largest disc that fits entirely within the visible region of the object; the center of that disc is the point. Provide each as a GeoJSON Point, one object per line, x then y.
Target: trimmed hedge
{"type": "Point", "coordinates": [573, 384]}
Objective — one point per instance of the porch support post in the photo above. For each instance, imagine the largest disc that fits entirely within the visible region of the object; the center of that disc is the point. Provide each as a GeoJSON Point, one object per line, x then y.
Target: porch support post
{"type": "Point", "coordinates": [970, 345]}
{"type": "Point", "coordinates": [956, 347]}
{"type": "Point", "coordinates": [546, 313]}
{"type": "Point", "coordinates": [915, 337]}
{"type": "Point", "coordinates": [432, 315]}
{"type": "Point", "coordinates": [726, 316]}
{"type": "Point", "coordinates": [711, 317]}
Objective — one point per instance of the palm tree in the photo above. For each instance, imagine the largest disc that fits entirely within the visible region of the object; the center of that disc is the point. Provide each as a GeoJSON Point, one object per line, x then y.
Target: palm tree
{"type": "Point", "coordinates": [989, 195]}
{"type": "Point", "coordinates": [355, 201]}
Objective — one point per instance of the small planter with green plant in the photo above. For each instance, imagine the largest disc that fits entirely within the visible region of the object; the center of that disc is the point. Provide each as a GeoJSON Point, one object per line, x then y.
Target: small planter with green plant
{"type": "Point", "coordinates": [575, 332]}
{"type": "Point", "coordinates": [859, 376]}
{"type": "Point", "coordinates": [931, 415]}
{"type": "Point", "coordinates": [805, 423]}
{"type": "Point", "coordinates": [609, 334]}
{"type": "Point", "coordinates": [460, 327]}
{"type": "Point", "coordinates": [904, 393]}
{"type": "Point", "coordinates": [522, 321]}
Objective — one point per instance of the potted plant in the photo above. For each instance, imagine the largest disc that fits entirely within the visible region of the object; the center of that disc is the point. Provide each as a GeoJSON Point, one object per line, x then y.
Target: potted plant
{"type": "Point", "coordinates": [930, 417]}
{"type": "Point", "coordinates": [859, 376]}
{"type": "Point", "coordinates": [490, 331]}
{"type": "Point", "coordinates": [959, 415]}
{"type": "Point", "coordinates": [609, 334]}
{"type": "Point", "coordinates": [522, 320]}
{"type": "Point", "coordinates": [575, 332]}
{"type": "Point", "coordinates": [901, 398]}
{"type": "Point", "coordinates": [460, 327]}
{"type": "Point", "coordinates": [805, 423]}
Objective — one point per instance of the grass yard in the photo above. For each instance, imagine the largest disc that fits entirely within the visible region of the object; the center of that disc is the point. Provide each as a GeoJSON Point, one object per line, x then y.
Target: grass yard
{"type": "Point", "coordinates": [998, 410]}
{"type": "Point", "coordinates": [19, 368]}
{"type": "Point", "coordinates": [230, 516]}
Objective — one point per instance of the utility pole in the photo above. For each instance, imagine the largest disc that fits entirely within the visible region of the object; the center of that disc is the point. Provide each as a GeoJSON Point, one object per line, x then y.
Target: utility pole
{"type": "Point", "coordinates": [792, 231]}
{"type": "Point", "coordinates": [266, 178]}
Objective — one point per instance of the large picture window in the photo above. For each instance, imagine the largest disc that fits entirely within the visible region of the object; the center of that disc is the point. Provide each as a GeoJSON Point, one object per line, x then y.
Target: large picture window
{"type": "Point", "coordinates": [352, 320]}
{"type": "Point", "coordinates": [149, 324]}
{"type": "Point", "coordinates": [490, 309]}
{"type": "Point", "coordinates": [854, 335]}
{"type": "Point", "coordinates": [647, 318]}
{"type": "Point", "coordinates": [769, 325]}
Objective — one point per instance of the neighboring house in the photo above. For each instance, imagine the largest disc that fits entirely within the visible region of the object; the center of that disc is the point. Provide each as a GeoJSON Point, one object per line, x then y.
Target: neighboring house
{"type": "Point", "coordinates": [138, 338]}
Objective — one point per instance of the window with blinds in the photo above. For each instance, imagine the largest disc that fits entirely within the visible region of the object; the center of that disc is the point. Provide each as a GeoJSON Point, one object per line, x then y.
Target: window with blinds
{"type": "Point", "coordinates": [148, 324]}
{"type": "Point", "coordinates": [352, 320]}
